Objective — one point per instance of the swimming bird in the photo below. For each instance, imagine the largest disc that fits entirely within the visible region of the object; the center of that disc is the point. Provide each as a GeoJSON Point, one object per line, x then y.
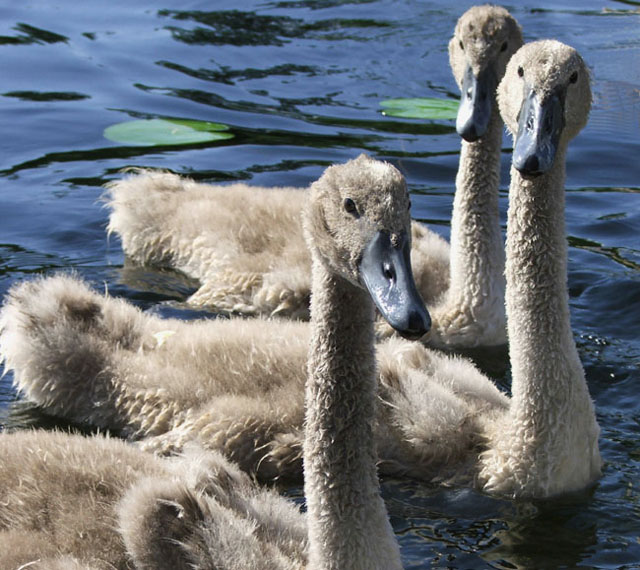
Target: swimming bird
{"type": "Point", "coordinates": [235, 385]}
{"type": "Point", "coordinates": [543, 440]}
{"type": "Point", "coordinates": [205, 514]}
{"type": "Point", "coordinates": [244, 244]}
{"type": "Point", "coordinates": [90, 357]}
{"type": "Point", "coordinates": [470, 312]}
{"type": "Point", "coordinates": [548, 442]}
{"type": "Point", "coordinates": [69, 502]}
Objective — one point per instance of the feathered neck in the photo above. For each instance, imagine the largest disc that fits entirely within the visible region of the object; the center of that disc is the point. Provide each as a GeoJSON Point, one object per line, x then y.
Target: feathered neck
{"type": "Point", "coordinates": [536, 295]}
{"type": "Point", "coordinates": [477, 251]}
{"type": "Point", "coordinates": [348, 524]}
{"type": "Point", "coordinates": [553, 432]}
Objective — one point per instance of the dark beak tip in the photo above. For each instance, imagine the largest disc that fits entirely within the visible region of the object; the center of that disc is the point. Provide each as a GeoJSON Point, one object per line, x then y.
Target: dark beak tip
{"type": "Point", "coordinates": [466, 130]}
{"type": "Point", "coordinates": [529, 165]}
{"type": "Point", "coordinates": [472, 129]}
{"type": "Point", "coordinates": [469, 135]}
{"type": "Point", "coordinates": [529, 173]}
{"type": "Point", "coordinates": [419, 324]}
{"type": "Point", "coordinates": [412, 335]}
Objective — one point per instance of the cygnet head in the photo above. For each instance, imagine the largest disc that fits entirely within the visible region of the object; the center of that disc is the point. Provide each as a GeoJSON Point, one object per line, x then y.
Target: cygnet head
{"type": "Point", "coordinates": [544, 98]}
{"type": "Point", "coordinates": [484, 40]}
{"type": "Point", "coordinates": [357, 223]}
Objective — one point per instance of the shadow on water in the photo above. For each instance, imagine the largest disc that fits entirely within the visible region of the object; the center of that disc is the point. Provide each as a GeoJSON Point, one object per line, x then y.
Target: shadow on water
{"type": "Point", "coordinates": [466, 529]}
{"type": "Point", "coordinates": [493, 361]}
{"type": "Point", "coordinates": [567, 528]}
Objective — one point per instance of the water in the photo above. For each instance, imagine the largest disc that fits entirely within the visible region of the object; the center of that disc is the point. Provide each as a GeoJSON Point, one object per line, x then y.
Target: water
{"type": "Point", "coordinates": [299, 83]}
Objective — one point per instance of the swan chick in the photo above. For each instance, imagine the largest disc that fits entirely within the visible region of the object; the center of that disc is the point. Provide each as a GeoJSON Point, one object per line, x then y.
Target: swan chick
{"type": "Point", "coordinates": [244, 244]}
{"type": "Point", "coordinates": [548, 442]}
{"type": "Point", "coordinates": [357, 227]}
{"type": "Point", "coordinates": [471, 312]}
{"type": "Point", "coordinates": [69, 502]}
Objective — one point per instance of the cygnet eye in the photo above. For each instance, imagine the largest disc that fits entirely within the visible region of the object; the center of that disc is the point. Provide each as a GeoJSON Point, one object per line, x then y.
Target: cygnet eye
{"type": "Point", "coordinates": [574, 77]}
{"type": "Point", "coordinates": [350, 206]}
{"type": "Point", "coordinates": [461, 45]}
{"type": "Point", "coordinates": [520, 71]}
{"type": "Point", "coordinates": [504, 46]}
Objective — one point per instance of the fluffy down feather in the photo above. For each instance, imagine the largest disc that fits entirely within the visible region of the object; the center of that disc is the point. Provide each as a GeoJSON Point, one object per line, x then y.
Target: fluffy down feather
{"type": "Point", "coordinates": [244, 244]}
{"type": "Point", "coordinates": [69, 502]}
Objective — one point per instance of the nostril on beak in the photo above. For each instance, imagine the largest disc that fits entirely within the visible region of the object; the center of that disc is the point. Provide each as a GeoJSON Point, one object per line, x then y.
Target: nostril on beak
{"type": "Point", "coordinates": [530, 124]}
{"type": "Point", "coordinates": [388, 271]}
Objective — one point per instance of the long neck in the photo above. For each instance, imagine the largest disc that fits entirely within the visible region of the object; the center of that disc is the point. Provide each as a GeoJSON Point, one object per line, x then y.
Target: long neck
{"type": "Point", "coordinates": [348, 524]}
{"type": "Point", "coordinates": [477, 251]}
{"type": "Point", "coordinates": [551, 402]}
{"type": "Point", "coordinates": [536, 296]}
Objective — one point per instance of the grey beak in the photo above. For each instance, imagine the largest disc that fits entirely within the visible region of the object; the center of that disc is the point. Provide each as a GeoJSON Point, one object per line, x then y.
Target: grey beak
{"type": "Point", "coordinates": [539, 127]}
{"type": "Point", "coordinates": [476, 104]}
{"type": "Point", "coordinates": [385, 270]}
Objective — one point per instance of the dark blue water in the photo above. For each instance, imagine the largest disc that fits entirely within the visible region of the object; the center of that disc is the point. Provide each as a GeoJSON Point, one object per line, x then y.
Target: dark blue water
{"type": "Point", "coordinates": [299, 83]}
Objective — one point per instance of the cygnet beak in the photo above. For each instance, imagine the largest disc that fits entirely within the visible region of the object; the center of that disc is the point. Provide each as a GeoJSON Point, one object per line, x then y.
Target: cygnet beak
{"type": "Point", "coordinates": [540, 124]}
{"type": "Point", "coordinates": [385, 271]}
{"type": "Point", "coordinates": [476, 104]}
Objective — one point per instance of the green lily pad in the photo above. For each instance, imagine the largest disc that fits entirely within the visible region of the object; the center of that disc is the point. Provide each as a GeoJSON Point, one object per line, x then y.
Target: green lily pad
{"type": "Point", "coordinates": [421, 108]}
{"type": "Point", "coordinates": [156, 132]}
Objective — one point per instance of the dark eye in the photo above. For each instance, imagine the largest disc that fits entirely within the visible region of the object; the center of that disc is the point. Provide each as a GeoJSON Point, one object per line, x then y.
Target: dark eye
{"type": "Point", "coordinates": [574, 77]}
{"type": "Point", "coordinates": [350, 206]}
{"type": "Point", "coordinates": [461, 45]}
{"type": "Point", "coordinates": [504, 46]}
{"type": "Point", "coordinates": [520, 72]}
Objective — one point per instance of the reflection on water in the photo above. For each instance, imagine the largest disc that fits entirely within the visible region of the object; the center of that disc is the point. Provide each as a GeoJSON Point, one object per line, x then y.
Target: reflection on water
{"type": "Point", "coordinates": [236, 28]}
{"type": "Point", "coordinates": [564, 523]}
{"type": "Point", "coordinates": [31, 35]}
{"type": "Point", "coordinates": [300, 83]}
{"type": "Point", "coordinates": [622, 255]}
{"type": "Point", "coordinates": [46, 96]}
{"type": "Point", "coordinates": [230, 76]}
{"type": "Point", "coordinates": [14, 259]}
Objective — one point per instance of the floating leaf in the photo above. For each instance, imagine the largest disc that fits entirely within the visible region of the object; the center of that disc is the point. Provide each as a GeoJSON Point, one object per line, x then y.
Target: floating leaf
{"type": "Point", "coordinates": [154, 132]}
{"type": "Point", "coordinates": [420, 108]}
